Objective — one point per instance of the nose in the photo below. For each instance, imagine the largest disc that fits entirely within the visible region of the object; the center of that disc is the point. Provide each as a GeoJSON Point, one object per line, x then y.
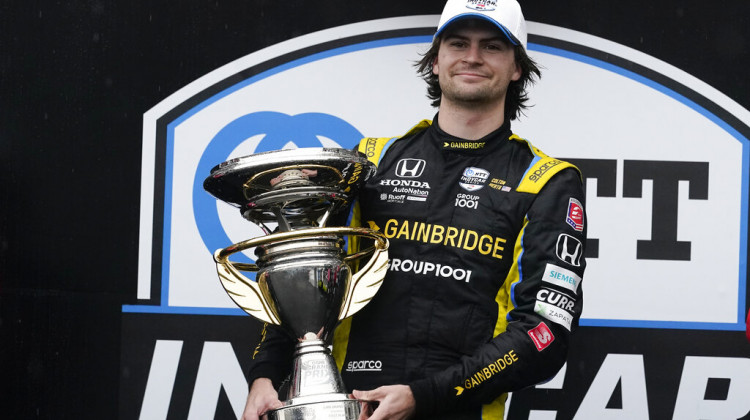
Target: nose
{"type": "Point", "coordinates": [473, 54]}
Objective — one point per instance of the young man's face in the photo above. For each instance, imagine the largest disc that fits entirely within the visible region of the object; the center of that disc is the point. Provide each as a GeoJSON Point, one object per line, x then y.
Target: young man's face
{"type": "Point", "coordinates": [475, 64]}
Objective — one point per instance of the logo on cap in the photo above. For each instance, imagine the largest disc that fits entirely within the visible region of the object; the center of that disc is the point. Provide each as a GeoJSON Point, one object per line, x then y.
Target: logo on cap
{"type": "Point", "coordinates": [483, 5]}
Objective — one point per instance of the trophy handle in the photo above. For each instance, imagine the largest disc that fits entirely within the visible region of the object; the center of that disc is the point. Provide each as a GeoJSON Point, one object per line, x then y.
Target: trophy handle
{"type": "Point", "coordinates": [246, 293]}
{"type": "Point", "coordinates": [366, 282]}
{"type": "Point", "coordinates": [253, 299]}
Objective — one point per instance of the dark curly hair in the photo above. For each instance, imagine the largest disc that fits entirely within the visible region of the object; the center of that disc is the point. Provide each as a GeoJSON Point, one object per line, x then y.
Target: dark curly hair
{"type": "Point", "coordinates": [516, 97]}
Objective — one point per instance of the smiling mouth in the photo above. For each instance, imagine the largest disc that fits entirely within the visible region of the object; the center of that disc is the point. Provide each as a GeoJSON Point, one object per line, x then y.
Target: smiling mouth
{"type": "Point", "coordinates": [471, 75]}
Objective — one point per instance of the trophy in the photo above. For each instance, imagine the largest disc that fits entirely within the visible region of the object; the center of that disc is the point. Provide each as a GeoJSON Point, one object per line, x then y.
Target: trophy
{"type": "Point", "coordinates": [304, 277]}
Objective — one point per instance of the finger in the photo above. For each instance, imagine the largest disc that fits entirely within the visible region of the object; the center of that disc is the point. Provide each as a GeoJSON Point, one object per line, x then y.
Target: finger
{"type": "Point", "coordinates": [250, 415]}
{"type": "Point", "coordinates": [378, 414]}
{"type": "Point", "coordinates": [364, 411]}
{"type": "Point", "coordinates": [269, 405]}
{"type": "Point", "coordinates": [366, 395]}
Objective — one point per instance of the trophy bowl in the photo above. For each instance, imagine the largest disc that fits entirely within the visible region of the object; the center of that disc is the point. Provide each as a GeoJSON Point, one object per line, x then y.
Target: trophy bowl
{"type": "Point", "coordinates": [304, 276]}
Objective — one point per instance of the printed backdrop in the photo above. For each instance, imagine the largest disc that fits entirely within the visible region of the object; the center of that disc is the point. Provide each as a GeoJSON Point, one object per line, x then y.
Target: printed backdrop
{"type": "Point", "coordinates": [114, 115]}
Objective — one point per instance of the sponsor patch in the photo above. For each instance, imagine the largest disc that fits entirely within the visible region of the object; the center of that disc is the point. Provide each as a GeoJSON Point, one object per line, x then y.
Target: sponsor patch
{"type": "Point", "coordinates": [561, 300]}
{"type": "Point", "coordinates": [428, 233]}
{"type": "Point", "coordinates": [463, 145]}
{"type": "Point", "coordinates": [393, 198]}
{"type": "Point", "coordinates": [561, 277]}
{"type": "Point", "coordinates": [499, 184]}
{"type": "Point", "coordinates": [540, 171]}
{"type": "Point", "coordinates": [554, 314]}
{"type": "Point", "coordinates": [364, 366]}
{"type": "Point", "coordinates": [574, 216]}
{"type": "Point", "coordinates": [473, 179]}
{"type": "Point", "coordinates": [404, 183]}
{"type": "Point", "coordinates": [370, 146]}
{"type": "Point", "coordinates": [542, 336]}
{"type": "Point", "coordinates": [410, 168]}
{"type": "Point", "coordinates": [468, 201]}
{"type": "Point", "coordinates": [430, 269]}
{"type": "Point", "coordinates": [406, 189]}
{"type": "Point", "coordinates": [569, 249]}
{"type": "Point", "coordinates": [487, 372]}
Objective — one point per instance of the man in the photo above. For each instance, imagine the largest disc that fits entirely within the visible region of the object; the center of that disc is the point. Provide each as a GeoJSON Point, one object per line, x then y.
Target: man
{"type": "Point", "coordinates": [486, 237]}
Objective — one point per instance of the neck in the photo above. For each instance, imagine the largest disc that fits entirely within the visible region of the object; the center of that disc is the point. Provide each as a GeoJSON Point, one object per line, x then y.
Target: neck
{"type": "Point", "coordinates": [470, 123]}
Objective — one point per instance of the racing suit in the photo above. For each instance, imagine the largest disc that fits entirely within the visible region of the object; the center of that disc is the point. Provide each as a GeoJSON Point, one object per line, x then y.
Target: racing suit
{"type": "Point", "coordinates": [483, 289]}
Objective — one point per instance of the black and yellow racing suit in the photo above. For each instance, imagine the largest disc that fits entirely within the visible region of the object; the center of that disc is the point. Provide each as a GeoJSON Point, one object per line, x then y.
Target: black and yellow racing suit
{"type": "Point", "coordinates": [484, 284]}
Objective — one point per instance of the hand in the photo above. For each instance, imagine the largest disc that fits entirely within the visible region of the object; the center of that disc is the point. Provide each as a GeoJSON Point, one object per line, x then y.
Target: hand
{"type": "Point", "coordinates": [262, 397]}
{"type": "Point", "coordinates": [396, 402]}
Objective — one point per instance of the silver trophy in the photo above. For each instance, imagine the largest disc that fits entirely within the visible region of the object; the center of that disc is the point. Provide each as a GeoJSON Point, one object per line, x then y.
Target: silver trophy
{"type": "Point", "coordinates": [304, 277]}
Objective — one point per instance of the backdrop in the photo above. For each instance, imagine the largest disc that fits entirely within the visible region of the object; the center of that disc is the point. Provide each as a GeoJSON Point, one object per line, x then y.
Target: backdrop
{"type": "Point", "coordinates": [111, 112]}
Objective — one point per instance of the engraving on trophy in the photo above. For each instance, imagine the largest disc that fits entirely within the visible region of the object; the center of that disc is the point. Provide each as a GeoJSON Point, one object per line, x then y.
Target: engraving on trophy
{"type": "Point", "coordinates": [304, 278]}
{"type": "Point", "coordinates": [315, 373]}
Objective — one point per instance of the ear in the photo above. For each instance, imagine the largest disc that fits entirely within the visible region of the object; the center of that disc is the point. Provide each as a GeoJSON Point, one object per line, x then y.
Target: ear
{"type": "Point", "coordinates": [516, 73]}
{"type": "Point", "coordinates": [435, 66]}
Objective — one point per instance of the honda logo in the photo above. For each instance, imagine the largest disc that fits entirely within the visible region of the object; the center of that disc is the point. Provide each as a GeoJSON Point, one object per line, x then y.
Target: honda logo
{"type": "Point", "coordinates": [569, 249]}
{"type": "Point", "coordinates": [410, 168]}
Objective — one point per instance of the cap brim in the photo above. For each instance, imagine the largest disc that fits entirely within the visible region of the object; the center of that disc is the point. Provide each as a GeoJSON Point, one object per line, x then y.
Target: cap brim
{"type": "Point", "coordinates": [470, 15]}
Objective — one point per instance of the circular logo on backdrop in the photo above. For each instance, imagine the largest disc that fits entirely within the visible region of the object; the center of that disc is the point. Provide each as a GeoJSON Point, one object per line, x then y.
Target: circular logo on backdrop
{"type": "Point", "coordinates": [333, 87]}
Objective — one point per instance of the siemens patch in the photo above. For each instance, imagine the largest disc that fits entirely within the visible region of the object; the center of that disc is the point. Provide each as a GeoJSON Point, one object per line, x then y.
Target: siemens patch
{"type": "Point", "coordinates": [561, 277]}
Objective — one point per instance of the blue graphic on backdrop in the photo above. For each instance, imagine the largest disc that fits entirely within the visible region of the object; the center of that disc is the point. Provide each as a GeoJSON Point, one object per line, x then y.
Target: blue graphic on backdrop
{"type": "Point", "coordinates": [279, 129]}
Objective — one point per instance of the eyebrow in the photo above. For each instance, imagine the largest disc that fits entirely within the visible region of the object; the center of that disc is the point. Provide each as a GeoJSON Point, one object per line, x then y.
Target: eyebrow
{"type": "Point", "coordinates": [464, 37]}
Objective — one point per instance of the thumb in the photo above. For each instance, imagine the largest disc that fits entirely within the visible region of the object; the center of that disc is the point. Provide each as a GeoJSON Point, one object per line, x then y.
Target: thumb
{"type": "Point", "coordinates": [276, 404]}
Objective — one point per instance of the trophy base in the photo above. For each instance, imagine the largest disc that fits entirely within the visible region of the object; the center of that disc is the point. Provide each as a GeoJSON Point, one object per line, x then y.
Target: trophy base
{"type": "Point", "coordinates": [340, 407]}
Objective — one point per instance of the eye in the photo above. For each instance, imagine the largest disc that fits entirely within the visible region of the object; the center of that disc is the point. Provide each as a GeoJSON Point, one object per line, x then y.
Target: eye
{"type": "Point", "coordinates": [457, 43]}
{"type": "Point", "coordinates": [494, 47]}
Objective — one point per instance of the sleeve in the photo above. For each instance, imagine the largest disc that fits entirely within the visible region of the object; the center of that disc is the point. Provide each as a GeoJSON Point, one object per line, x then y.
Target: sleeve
{"type": "Point", "coordinates": [272, 357]}
{"type": "Point", "coordinates": [543, 297]}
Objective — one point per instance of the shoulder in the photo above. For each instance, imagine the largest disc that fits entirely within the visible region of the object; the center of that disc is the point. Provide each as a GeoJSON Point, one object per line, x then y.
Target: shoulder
{"type": "Point", "coordinates": [542, 168]}
{"type": "Point", "coordinates": [376, 147]}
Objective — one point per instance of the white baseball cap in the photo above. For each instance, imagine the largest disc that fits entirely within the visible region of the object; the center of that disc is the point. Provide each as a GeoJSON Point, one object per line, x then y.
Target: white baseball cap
{"type": "Point", "coordinates": [505, 14]}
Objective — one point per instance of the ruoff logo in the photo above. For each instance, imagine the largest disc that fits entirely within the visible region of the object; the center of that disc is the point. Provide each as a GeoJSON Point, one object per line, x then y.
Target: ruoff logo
{"type": "Point", "coordinates": [410, 168]}
{"type": "Point", "coordinates": [569, 249]}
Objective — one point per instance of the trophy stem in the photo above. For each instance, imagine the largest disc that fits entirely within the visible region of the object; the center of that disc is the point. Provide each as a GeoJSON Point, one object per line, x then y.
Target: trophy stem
{"type": "Point", "coordinates": [316, 390]}
{"type": "Point", "coordinates": [314, 371]}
